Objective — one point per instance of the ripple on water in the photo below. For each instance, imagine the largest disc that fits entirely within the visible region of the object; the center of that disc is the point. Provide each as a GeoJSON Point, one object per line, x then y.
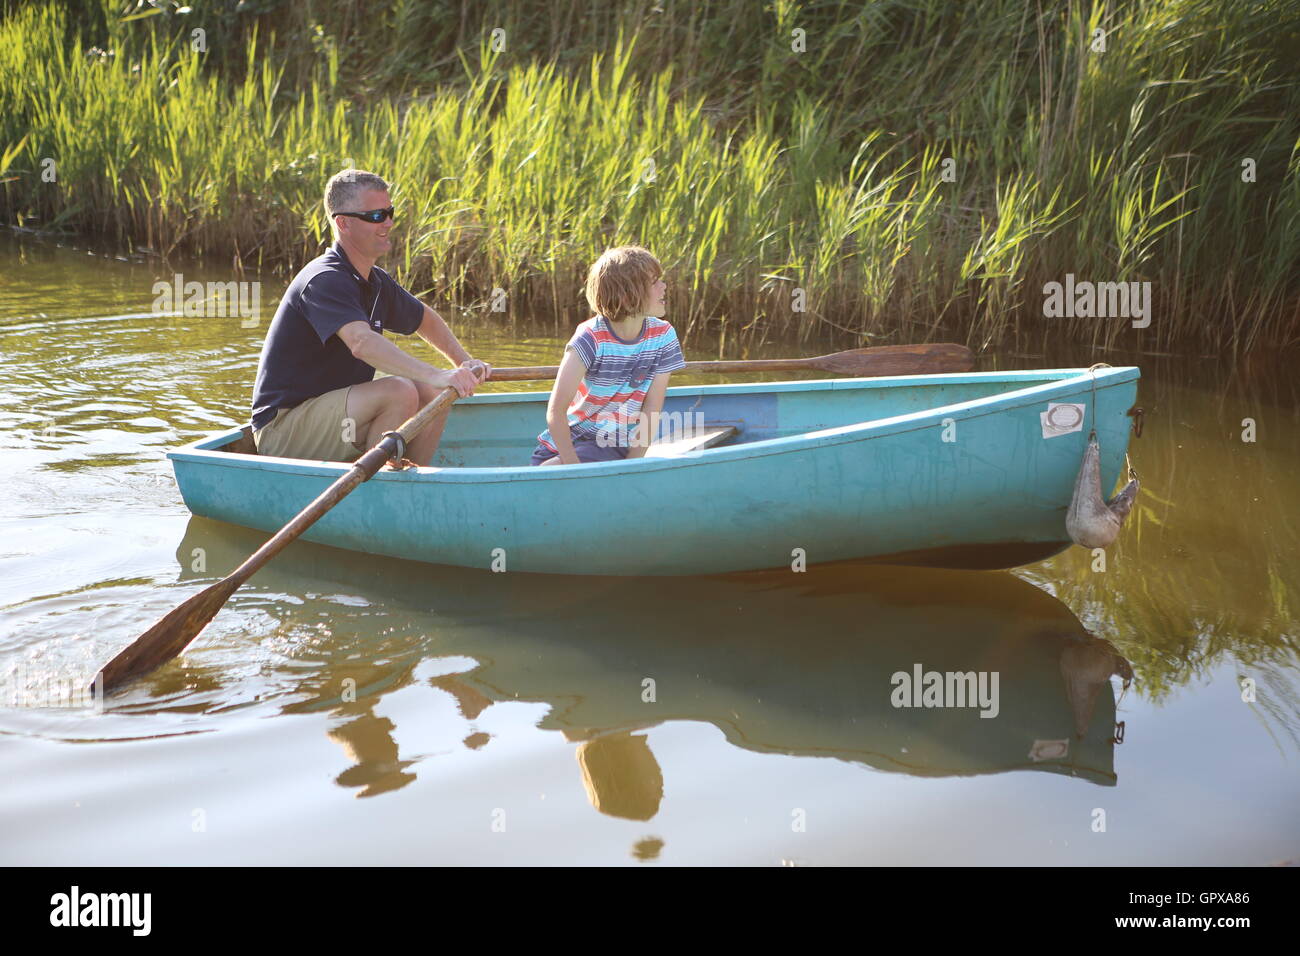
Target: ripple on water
{"type": "Point", "coordinates": [264, 653]}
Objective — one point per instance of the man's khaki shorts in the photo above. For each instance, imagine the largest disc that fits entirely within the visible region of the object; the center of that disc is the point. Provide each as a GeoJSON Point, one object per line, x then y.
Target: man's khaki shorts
{"type": "Point", "coordinates": [314, 430]}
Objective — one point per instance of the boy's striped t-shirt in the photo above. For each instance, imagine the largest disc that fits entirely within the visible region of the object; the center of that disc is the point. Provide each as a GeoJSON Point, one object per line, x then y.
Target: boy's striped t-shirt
{"type": "Point", "coordinates": [619, 374]}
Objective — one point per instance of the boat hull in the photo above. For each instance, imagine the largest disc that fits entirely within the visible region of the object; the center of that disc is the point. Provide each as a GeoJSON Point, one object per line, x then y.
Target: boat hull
{"type": "Point", "coordinates": [957, 472]}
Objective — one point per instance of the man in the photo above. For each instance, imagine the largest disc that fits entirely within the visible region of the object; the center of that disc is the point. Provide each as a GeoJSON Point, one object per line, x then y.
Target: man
{"type": "Point", "coordinates": [316, 395]}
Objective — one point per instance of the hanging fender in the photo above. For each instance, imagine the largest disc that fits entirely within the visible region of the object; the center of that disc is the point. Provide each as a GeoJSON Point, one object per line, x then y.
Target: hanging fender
{"type": "Point", "coordinates": [1093, 522]}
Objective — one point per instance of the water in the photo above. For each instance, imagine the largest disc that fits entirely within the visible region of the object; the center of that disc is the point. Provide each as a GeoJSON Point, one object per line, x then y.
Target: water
{"type": "Point", "coordinates": [350, 709]}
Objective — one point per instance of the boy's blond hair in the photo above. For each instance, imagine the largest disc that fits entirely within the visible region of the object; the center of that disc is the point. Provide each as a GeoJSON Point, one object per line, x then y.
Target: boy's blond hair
{"type": "Point", "coordinates": [618, 283]}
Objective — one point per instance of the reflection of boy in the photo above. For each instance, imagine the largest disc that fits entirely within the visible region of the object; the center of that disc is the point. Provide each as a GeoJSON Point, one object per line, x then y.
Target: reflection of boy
{"type": "Point", "coordinates": [610, 388]}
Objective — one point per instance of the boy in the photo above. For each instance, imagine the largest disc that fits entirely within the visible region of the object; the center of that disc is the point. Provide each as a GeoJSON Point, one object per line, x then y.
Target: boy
{"type": "Point", "coordinates": [615, 368]}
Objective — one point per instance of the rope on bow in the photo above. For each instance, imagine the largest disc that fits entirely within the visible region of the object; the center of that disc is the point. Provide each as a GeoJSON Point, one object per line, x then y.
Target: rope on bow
{"type": "Point", "coordinates": [1092, 372]}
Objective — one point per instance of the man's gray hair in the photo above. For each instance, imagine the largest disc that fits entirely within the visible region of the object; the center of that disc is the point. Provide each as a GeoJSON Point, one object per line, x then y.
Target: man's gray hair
{"type": "Point", "coordinates": [344, 187]}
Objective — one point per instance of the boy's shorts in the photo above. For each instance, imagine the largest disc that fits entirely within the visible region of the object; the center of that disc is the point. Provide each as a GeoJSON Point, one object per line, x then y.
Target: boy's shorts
{"type": "Point", "coordinates": [312, 430]}
{"type": "Point", "coordinates": [587, 450]}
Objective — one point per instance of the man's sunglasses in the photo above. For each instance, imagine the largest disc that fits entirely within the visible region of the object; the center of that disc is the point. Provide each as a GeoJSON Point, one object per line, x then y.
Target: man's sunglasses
{"type": "Point", "coordinates": [371, 215]}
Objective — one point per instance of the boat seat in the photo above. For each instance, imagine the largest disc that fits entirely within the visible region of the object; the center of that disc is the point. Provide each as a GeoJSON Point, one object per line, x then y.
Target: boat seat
{"type": "Point", "coordinates": [710, 436]}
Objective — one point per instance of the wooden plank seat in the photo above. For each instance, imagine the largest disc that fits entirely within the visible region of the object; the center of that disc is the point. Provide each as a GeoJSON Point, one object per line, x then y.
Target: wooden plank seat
{"type": "Point", "coordinates": [708, 437]}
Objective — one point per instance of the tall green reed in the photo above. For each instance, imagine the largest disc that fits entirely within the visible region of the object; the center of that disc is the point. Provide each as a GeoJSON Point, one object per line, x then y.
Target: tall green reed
{"type": "Point", "coordinates": [920, 170]}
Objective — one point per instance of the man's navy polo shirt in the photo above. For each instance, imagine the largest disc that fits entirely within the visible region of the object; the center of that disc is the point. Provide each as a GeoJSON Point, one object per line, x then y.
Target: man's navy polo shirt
{"type": "Point", "coordinates": [302, 357]}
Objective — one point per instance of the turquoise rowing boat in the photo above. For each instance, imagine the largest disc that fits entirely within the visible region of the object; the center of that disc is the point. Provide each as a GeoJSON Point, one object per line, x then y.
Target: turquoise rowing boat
{"type": "Point", "coordinates": [955, 470]}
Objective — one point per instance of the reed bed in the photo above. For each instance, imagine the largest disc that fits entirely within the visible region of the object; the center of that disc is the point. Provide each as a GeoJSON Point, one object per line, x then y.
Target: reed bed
{"type": "Point", "coordinates": [919, 171]}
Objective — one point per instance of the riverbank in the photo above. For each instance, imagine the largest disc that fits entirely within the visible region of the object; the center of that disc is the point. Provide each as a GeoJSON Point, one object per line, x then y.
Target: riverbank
{"type": "Point", "coordinates": [929, 180]}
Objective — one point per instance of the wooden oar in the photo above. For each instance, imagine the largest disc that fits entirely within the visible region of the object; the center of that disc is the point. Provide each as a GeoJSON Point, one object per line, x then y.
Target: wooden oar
{"type": "Point", "coordinates": [182, 624]}
{"type": "Point", "coordinates": [855, 363]}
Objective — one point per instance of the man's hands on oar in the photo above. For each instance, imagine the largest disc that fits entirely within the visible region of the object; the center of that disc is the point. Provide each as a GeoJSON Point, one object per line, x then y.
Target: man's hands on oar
{"type": "Point", "coordinates": [182, 624]}
{"type": "Point", "coordinates": [481, 369]}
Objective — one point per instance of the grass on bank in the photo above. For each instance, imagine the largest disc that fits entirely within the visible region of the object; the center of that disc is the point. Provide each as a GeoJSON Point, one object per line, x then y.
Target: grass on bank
{"type": "Point", "coordinates": [814, 202]}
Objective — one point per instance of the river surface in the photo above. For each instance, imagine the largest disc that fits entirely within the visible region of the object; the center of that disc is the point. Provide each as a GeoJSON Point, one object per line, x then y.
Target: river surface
{"type": "Point", "coordinates": [345, 708]}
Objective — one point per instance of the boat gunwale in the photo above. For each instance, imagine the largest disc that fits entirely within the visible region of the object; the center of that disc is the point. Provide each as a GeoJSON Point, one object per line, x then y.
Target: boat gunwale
{"type": "Point", "coordinates": [1062, 382]}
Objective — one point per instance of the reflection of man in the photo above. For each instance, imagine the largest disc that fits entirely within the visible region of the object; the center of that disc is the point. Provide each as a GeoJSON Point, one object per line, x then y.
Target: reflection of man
{"type": "Point", "coordinates": [316, 395]}
{"type": "Point", "coordinates": [621, 776]}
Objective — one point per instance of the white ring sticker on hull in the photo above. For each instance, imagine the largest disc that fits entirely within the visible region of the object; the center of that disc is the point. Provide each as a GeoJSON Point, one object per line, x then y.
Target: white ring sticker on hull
{"type": "Point", "coordinates": [1061, 418]}
{"type": "Point", "coordinates": [1049, 750]}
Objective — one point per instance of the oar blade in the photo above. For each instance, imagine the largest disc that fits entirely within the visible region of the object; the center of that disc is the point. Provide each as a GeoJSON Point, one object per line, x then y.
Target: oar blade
{"type": "Point", "coordinates": [934, 359]}
{"type": "Point", "coordinates": [167, 638]}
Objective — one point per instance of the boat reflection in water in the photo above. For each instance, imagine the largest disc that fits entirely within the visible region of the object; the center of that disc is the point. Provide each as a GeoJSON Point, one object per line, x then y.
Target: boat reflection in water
{"type": "Point", "coordinates": [856, 662]}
